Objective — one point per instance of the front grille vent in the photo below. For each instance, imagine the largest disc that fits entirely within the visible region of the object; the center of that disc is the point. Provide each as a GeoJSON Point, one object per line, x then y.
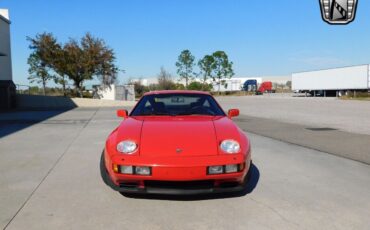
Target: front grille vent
{"type": "Point", "coordinates": [185, 185]}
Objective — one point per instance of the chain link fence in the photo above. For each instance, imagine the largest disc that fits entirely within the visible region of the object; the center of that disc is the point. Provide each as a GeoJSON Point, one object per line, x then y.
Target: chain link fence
{"type": "Point", "coordinates": [53, 91]}
{"type": "Point", "coordinates": [122, 92]}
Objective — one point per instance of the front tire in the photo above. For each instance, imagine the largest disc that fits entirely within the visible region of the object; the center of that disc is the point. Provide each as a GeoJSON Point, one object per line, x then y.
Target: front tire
{"type": "Point", "coordinates": [104, 173]}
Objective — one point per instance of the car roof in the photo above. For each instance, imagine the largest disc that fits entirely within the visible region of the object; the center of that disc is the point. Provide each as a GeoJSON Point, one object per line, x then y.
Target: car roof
{"type": "Point", "coordinates": [176, 92]}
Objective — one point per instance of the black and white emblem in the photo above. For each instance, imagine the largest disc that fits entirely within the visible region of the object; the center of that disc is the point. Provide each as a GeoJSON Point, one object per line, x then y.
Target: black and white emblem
{"type": "Point", "coordinates": [338, 11]}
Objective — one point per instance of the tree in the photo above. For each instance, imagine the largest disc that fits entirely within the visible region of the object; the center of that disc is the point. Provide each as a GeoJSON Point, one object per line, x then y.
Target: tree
{"type": "Point", "coordinates": [78, 60]}
{"type": "Point", "coordinates": [289, 84]}
{"type": "Point", "coordinates": [44, 48]}
{"type": "Point", "coordinates": [59, 64]}
{"type": "Point", "coordinates": [165, 81]}
{"type": "Point", "coordinates": [222, 68]}
{"type": "Point", "coordinates": [185, 64]}
{"type": "Point", "coordinates": [38, 71]}
{"type": "Point", "coordinates": [140, 89]}
{"type": "Point", "coordinates": [205, 65]}
{"type": "Point", "coordinates": [86, 59]}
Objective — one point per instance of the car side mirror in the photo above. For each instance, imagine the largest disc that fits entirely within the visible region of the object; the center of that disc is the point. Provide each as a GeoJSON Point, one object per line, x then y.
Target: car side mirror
{"type": "Point", "coordinates": [122, 113]}
{"type": "Point", "coordinates": [233, 113]}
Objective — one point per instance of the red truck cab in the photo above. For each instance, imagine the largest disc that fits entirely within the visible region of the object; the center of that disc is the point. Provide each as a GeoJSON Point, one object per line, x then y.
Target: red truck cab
{"type": "Point", "coordinates": [266, 87]}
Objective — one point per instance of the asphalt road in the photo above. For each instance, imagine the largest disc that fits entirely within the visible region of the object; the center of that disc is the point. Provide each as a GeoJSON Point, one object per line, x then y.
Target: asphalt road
{"type": "Point", "coordinates": [50, 179]}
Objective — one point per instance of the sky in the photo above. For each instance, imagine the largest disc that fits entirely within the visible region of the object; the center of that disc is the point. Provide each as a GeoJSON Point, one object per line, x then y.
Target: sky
{"type": "Point", "coordinates": [262, 38]}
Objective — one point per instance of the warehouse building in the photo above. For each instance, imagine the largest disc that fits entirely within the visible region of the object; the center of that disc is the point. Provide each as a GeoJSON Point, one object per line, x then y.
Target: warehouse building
{"type": "Point", "coordinates": [336, 81]}
{"type": "Point", "coordinates": [7, 87]}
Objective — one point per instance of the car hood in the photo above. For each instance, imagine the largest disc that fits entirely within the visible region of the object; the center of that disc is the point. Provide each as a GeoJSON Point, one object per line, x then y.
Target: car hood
{"type": "Point", "coordinates": [178, 136]}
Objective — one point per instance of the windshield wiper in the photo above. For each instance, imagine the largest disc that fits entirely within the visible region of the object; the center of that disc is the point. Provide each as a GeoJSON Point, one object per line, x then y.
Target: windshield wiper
{"type": "Point", "coordinates": [156, 114]}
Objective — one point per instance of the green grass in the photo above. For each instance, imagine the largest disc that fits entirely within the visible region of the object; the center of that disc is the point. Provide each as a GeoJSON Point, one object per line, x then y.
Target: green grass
{"type": "Point", "coordinates": [355, 98]}
{"type": "Point", "coordinates": [361, 96]}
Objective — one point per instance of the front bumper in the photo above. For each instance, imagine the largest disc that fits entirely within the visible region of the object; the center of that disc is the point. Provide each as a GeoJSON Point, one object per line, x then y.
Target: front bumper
{"type": "Point", "coordinates": [183, 179]}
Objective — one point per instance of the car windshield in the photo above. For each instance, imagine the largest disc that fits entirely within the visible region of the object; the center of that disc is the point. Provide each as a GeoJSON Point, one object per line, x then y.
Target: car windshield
{"type": "Point", "coordinates": [177, 104]}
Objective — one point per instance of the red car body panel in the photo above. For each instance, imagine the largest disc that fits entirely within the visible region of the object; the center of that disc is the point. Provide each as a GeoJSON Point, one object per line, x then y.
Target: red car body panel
{"type": "Point", "coordinates": [188, 133]}
{"type": "Point", "coordinates": [158, 138]}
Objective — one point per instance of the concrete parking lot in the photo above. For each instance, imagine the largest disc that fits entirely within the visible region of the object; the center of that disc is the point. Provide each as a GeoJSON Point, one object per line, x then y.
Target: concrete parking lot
{"type": "Point", "coordinates": [345, 115]}
{"type": "Point", "coordinates": [50, 179]}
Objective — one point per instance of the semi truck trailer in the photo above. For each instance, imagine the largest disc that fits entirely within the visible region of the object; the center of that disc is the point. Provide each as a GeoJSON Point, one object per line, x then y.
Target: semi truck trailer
{"type": "Point", "coordinates": [335, 81]}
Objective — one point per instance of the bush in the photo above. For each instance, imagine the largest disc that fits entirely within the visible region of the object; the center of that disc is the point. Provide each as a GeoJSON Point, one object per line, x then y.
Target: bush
{"type": "Point", "coordinates": [87, 94]}
{"type": "Point", "coordinates": [165, 80]}
{"type": "Point", "coordinates": [140, 89]}
{"type": "Point", "coordinates": [179, 86]}
{"type": "Point", "coordinates": [199, 86]}
{"type": "Point", "coordinates": [195, 86]}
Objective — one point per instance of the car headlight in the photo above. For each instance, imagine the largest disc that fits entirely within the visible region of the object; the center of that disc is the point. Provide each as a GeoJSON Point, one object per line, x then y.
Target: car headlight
{"type": "Point", "coordinates": [230, 146]}
{"type": "Point", "coordinates": [127, 147]}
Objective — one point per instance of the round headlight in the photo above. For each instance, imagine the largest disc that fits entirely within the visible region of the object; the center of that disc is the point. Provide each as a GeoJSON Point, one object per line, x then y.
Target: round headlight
{"type": "Point", "coordinates": [230, 146]}
{"type": "Point", "coordinates": [126, 147]}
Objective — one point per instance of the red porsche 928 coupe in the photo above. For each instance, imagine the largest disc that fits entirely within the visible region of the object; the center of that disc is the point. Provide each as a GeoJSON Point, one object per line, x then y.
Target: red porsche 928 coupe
{"type": "Point", "coordinates": [176, 142]}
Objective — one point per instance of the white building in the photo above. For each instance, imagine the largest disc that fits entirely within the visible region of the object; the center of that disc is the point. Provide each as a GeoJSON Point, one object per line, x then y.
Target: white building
{"type": "Point", "coordinates": [145, 81]}
{"type": "Point", "coordinates": [281, 80]}
{"type": "Point", "coordinates": [5, 53]}
{"type": "Point", "coordinates": [7, 87]}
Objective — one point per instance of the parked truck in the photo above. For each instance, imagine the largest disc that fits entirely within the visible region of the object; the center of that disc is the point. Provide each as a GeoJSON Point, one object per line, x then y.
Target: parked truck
{"type": "Point", "coordinates": [264, 87]}
{"type": "Point", "coordinates": [332, 82]}
{"type": "Point", "coordinates": [250, 85]}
